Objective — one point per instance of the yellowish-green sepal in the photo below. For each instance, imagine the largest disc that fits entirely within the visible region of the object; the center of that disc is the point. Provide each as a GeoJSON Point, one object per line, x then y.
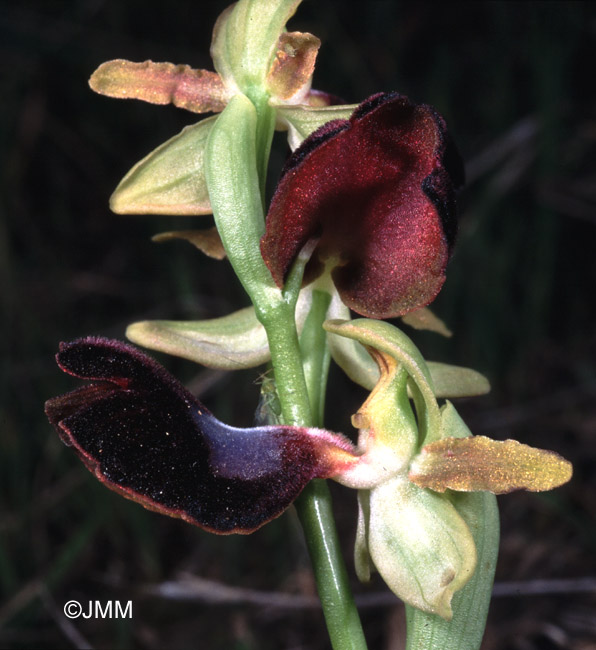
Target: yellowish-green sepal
{"type": "Point", "coordinates": [420, 545]}
{"type": "Point", "coordinates": [232, 342]}
{"type": "Point", "coordinates": [455, 381]}
{"type": "Point", "coordinates": [171, 179]}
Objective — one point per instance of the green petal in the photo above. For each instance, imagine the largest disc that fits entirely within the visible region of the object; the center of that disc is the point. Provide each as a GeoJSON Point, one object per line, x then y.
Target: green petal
{"type": "Point", "coordinates": [420, 545]}
{"type": "Point", "coordinates": [480, 464]}
{"type": "Point", "coordinates": [171, 179]}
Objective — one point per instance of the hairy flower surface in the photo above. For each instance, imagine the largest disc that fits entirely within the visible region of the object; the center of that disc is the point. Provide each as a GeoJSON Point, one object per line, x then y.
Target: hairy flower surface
{"type": "Point", "coordinates": [146, 437]}
{"type": "Point", "coordinates": [378, 192]}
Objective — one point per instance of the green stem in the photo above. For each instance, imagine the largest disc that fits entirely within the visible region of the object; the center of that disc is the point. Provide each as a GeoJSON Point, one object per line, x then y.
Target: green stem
{"type": "Point", "coordinates": [314, 508]}
{"type": "Point", "coordinates": [315, 355]}
{"type": "Point", "coordinates": [234, 156]}
{"type": "Point", "coordinates": [314, 505]}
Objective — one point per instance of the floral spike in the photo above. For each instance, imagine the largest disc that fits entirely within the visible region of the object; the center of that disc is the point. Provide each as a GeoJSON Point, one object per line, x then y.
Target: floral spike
{"type": "Point", "coordinates": [146, 437]}
{"type": "Point", "coordinates": [377, 191]}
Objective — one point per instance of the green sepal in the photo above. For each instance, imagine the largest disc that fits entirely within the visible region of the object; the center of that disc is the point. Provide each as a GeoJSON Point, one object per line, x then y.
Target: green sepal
{"type": "Point", "coordinates": [456, 381]}
{"type": "Point", "coordinates": [470, 604]}
{"type": "Point", "coordinates": [391, 342]}
{"type": "Point", "coordinates": [420, 545]}
{"type": "Point", "coordinates": [171, 179]}
{"type": "Point", "coordinates": [447, 380]}
{"type": "Point", "coordinates": [301, 121]}
{"type": "Point", "coordinates": [233, 342]}
{"type": "Point", "coordinates": [245, 40]}
{"type": "Point", "coordinates": [207, 240]}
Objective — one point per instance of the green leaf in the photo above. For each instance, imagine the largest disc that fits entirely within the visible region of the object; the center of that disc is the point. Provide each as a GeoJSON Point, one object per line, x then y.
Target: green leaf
{"type": "Point", "coordinates": [420, 545]}
{"type": "Point", "coordinates": [245, 40]}
{"type": "Point", "coordinates": [301, 121]}
{"type": "Point", "coordinates": [171, 179]}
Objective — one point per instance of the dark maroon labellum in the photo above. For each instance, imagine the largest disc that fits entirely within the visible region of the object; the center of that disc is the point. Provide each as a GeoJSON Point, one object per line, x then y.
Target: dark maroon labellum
{"type": "Point", "coordinates": [378, 192]}
{"type": "Point", "coordinates": [145, 436]}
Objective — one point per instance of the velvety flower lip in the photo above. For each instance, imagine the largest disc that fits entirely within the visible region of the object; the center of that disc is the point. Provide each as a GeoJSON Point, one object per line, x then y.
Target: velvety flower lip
{"type": "Point", "coordinates": [378, 191]}
{"type": "Point", "coordinates": [146, 437]}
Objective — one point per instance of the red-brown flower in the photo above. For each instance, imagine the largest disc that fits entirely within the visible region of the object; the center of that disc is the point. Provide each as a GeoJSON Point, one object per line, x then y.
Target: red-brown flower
{"type": "Point", "coordinates": [146, 437]}
{"type": "Point", "coordinates": [378, 191]}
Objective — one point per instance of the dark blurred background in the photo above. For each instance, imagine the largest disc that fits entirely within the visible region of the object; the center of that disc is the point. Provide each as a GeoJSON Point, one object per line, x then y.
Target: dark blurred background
{"type": "Point", "coordinates": [515, 82]}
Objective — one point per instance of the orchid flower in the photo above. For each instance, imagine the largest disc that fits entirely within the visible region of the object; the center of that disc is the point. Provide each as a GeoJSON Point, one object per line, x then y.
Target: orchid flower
{"type": "Point", "coordinates": [412, 463]}
{"type": "Point", "coordinates": [378, 193]}
{"type": "Point", "coordinates": [146, 437]}
{"type": "Point", "coordinates": [140, 432]}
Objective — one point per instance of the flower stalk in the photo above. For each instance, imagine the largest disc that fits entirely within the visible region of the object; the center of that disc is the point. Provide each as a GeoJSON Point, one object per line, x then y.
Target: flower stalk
{"type": "Point", "coordinates": [235, 195]}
